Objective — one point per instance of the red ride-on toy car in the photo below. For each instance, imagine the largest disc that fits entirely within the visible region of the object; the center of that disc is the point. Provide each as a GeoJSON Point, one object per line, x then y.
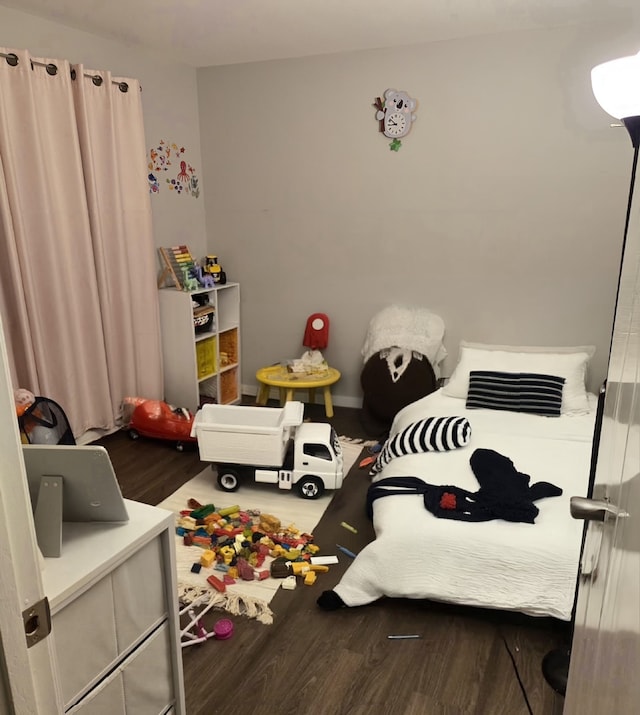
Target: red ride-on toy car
{"type": "Point", "coordinates": [159, 420]}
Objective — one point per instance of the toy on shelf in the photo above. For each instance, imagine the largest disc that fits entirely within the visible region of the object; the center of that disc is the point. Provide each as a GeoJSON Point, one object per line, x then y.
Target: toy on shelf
{"type": "Point", "coordinates": [214, 269]}
{"type": "Point", "coordinates": [189, 281]}
{"type": "Point", "coordinates": [177, 264]}
{"type": "Point", "coordinates": [270, 445]}
{"type": "Point", "coordinates": [205, 279]}
{"type": "Point", "coordinates": [180, 268]}
{"type": "Point", "coordinates": [158, 420]}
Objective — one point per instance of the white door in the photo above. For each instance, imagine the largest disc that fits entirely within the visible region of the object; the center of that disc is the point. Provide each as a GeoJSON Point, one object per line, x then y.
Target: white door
{"type": "Point", "coordinates": [28, 672]}
{"type": "Point", "coordinates": [605, 654]}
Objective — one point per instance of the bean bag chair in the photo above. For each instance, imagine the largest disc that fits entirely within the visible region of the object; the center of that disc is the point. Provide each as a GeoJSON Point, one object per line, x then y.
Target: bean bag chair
{"type": "Point", "coordinates": [392, 379]}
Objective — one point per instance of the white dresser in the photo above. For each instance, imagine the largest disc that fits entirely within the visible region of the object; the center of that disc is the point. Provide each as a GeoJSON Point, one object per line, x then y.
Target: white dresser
{"type": "Point", "coordinates": [114, 613]}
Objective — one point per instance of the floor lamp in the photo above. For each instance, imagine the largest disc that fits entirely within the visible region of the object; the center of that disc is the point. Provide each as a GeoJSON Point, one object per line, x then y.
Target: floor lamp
{"type": "Point", "coordinates": [616, 87]}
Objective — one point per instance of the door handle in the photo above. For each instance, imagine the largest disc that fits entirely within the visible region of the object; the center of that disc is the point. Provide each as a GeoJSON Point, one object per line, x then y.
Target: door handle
{"type": "Point", "coordinates": [594, 509]}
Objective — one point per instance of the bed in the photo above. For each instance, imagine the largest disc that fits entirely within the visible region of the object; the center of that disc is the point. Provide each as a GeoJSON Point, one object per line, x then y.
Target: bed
{"type": "Point", "coordinates": [529, 567]}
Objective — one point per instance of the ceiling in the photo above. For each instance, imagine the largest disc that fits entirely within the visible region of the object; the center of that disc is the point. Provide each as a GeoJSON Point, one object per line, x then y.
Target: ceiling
{"type": "Point", "coordinates": [202, 33]}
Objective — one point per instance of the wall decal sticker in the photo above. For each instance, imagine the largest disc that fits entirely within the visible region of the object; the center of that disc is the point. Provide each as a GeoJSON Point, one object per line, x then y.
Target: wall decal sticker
{"type": "Point", "coordinates": [181, 176]}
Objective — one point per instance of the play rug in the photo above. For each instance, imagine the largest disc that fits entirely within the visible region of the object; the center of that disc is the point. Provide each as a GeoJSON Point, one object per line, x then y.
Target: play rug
{"type": "Point", "coordinates": [247, 598]}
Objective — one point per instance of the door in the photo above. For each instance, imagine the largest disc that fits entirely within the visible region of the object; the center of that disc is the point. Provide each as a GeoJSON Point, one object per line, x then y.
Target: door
{"type": "Point", "coordinates": [28, 673]}
{"type": "Point", "coordinates": [605, 654]}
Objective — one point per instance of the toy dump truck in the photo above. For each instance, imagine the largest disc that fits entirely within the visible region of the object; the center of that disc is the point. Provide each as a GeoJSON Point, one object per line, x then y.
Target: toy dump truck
{"type": "Point", "coordinates": [271, 445]}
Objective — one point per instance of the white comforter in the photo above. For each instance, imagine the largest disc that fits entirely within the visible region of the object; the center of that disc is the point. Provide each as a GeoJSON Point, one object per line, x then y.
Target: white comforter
{"type": "Point", "coordinates": [530, 568]}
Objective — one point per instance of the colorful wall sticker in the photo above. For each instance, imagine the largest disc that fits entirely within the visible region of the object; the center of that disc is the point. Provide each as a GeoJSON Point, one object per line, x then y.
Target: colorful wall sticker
{"type": "Point", "coordinates": [168, 158]}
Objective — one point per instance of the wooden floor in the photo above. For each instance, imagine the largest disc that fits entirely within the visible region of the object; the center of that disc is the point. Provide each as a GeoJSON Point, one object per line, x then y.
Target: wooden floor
{"type": "Point", "coordinates": [311, 662]}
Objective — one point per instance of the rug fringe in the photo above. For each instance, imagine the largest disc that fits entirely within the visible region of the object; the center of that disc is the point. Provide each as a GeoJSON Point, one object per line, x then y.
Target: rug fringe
{"type": "Point", "coordinates": [234, 603]}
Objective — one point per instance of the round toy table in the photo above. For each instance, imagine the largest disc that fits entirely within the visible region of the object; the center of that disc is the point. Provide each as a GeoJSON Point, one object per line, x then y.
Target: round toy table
{"type": "Point", "coordinates": [289, 382]}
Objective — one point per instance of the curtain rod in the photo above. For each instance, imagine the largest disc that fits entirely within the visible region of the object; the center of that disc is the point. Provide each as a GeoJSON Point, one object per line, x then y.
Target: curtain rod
{"type": "Point", "coordinates": [12, 59]}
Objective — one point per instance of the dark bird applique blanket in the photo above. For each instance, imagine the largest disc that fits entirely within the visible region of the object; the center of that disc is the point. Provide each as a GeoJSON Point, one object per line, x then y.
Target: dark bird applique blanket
{"type": "Point", "coordinates": [505, 493]}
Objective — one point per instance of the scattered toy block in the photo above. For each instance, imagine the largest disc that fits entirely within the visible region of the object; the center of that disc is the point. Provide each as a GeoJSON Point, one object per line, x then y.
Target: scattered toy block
{"type": "Point", "coordinates": [319, 568]}
{"type": "Point", "coordinates": [188, 523]}
{"type": "Point", "coordinates": [216, 583]}
{"type": "Point", "coordinates": [195, 568]}
{"type": "Point", "coordinates": [207, 558]}
{"type": "Point", "coordinates": [300, 567]}
{"type": "Point", "coordinates": [245, 571]}
{"type": "Point", "coordinates": [310, 578]}
{"type": "Point", "coordinates": [269, 523]}
{"type": "Point", "coordinates": [289, 583]}
{"type": "Point", "coordinates": [203, 511]}
{"type": "Point", "coordinates": [280, 568]}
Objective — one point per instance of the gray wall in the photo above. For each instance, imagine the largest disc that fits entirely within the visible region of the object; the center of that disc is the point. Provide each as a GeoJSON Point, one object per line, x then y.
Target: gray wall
{"type": "Point", "coordinates": [503, 211]}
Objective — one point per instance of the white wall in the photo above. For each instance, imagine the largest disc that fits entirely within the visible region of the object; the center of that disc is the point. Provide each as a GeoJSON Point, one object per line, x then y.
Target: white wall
{"type": "Point", "coordinates": [503, 211]}
{"type": "Point", "coordinates": [169, 96]}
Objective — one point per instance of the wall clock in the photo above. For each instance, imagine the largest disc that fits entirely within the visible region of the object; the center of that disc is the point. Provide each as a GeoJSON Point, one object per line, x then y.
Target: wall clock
{"type": "Point", "coordinates": [396, 115]}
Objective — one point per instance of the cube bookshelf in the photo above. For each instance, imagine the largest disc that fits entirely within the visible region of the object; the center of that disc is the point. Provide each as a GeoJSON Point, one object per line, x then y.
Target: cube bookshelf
{"type": "Point", "coordinates": [201, 365]}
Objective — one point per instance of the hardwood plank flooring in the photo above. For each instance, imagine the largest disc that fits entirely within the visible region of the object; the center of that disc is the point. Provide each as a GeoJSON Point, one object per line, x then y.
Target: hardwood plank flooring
{"type": "Point", "coordinates": [313, 662]}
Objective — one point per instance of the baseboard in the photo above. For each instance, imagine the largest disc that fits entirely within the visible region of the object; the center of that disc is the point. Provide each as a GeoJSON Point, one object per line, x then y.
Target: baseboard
{"type": "Point", "coordinates": [338, 400]}
{"type": "Point", "coordinates": [93, 434]}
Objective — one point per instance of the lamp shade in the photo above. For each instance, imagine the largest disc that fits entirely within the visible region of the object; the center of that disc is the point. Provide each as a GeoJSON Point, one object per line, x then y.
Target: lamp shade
{"type": "Point", "coordinates": [616, 86]}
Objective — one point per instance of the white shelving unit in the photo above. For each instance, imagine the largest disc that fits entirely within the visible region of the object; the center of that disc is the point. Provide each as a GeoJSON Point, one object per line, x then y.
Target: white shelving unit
{"type": "Point", "coordinates": [201, 366]}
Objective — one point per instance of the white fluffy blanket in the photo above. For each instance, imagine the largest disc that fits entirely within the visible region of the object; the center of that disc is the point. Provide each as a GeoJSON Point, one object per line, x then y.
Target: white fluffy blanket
{"type": "Point", "coordinates": [530, 568]}
{"type": "Point", "coordinates": [409, 328]}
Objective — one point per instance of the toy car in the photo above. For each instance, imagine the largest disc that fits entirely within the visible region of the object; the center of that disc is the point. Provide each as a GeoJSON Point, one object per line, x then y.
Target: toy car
{"type": "Point", "coordinates": [159, 420]}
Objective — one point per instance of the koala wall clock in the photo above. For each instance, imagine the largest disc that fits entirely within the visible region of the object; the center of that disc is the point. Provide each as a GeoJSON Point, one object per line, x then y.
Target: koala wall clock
{"type": "Point", "coordinates": [396, 115]}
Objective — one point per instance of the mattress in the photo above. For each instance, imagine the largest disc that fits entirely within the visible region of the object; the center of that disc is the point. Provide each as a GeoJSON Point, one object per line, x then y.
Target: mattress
{"type": "Point", "coordinates": [530, 568]}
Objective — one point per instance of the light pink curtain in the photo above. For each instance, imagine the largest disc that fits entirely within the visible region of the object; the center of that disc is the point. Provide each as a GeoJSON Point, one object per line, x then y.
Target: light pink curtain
{"type": "Point", "coordinates": [77, 270]}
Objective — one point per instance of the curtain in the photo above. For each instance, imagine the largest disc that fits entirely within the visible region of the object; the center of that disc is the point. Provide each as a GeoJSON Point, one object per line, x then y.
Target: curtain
{"type": "Point", "coordinates": [77, 271]}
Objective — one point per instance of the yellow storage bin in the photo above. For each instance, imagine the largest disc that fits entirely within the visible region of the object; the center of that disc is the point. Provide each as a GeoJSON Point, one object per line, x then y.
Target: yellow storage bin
{"type": "Point", "coordinates": [206, 357]}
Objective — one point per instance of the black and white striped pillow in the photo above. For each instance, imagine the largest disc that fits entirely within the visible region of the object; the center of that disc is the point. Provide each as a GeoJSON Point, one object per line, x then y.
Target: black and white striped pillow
{"type": "Point", "coordinates": [433, 434]}
{"type": "Point", "coordinates": [516, 392]}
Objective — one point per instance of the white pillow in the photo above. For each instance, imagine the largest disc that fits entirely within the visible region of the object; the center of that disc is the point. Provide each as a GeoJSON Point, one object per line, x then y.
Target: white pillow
{"type": "Point", "coordinates": [567, 362]}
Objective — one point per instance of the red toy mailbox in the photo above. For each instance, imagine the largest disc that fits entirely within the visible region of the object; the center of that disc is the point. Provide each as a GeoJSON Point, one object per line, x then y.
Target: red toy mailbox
{"type": "Point", "coordinates": [159, 420]}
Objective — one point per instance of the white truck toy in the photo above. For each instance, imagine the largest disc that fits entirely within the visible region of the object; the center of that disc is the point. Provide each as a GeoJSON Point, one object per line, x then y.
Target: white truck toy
{"type": "Point", "coordinates": [269, 444]}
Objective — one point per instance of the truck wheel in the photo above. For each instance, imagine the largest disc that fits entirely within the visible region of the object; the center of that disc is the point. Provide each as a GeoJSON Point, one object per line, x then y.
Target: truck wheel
{"type": "Point", "coordinates": [133, 434]}
{"type": "Point", "coordinates": [228, 480]}
{"type": "Point", "coordinates": [310, 487]}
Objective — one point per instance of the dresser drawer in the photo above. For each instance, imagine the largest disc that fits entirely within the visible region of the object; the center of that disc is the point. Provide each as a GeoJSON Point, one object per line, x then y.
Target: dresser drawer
{"type": "Point", "coordinates": [139, 593]}
{"type": "Point", "coordinates": [148, 678]}
{"type": "Point", "coordinates": [141, 685]}
{"type": "Point", "coordinates": [106, 699]}
{"type": "Point", "coordinates": [94, 632]}
{"type": "Point", "coordinates": [84, 637]}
